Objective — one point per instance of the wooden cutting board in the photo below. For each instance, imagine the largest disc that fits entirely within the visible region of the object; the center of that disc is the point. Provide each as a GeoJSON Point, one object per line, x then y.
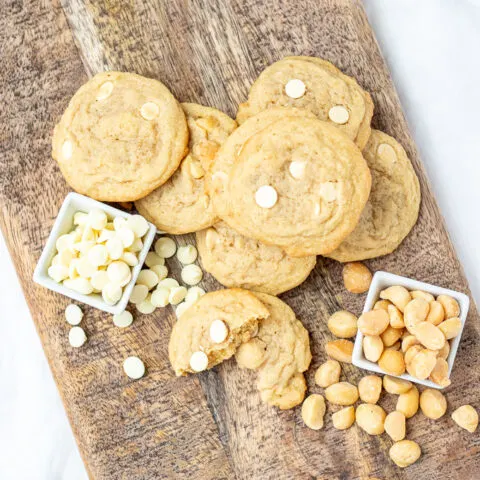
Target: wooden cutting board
{"type": "Point", "coordinates": [209, 426]}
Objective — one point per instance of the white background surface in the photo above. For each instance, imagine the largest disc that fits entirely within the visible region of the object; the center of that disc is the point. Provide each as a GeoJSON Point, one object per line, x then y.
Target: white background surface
{"type": "Point", "coordinates": [432, 48]}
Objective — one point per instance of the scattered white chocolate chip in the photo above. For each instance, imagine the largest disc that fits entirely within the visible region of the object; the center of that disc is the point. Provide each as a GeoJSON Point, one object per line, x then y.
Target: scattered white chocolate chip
{"type": "Point", "coordinates": [138, 224]}
{"type": "Point", "coordinates": [149, 110]}
{"type": "Point", "coordinates": [119, 272]}
{"type": "Point", "coordinates": [199, 361]}
{"type": "Point", "coordinates": [165, 247]}
{"type": "Point", "coordinates": [139, 293]}
{"type": "Point", "coordinates": [193, 294]}
{"type": "Point", "coordinates": [123, 320]}
{"type": "Point", "coordinates": [181, 308]}
{"type": "Point", "coordinates": [73, 314]}
{"type": "Point", "coordinates": [160, 297]}
{"type": "Point", "coordinates": [111, 293]}
{"type": "Point", "coordinates": [266, 196]}
{"type": "Point", "coordinates": [160, 270]}
{"type": "Point", "coordinates": [168, 283]}
{"type": "Point", "coordinates": [187, 254]}
{"type": "Point", "coordinates": [192, 274]}
{"type": "Point", "coordinates": [218, 331]}
{"type": "Point", "coordinates": [338, 114]}
{"type": "Point", "coordinates": [177, 294]}
{"type": "Point", "coordinates": [297, 169]}
{"type": "Point", "coordinates": [105, 91]}
{"type": "Point", "coordinates": [134, 368]}
{"type": "Point", "coordinates": [146, 307]}
{"type": "Point", "coordinates": [77, 337]}
{"type": "Point", "coordinates": [153, 259]}
{"type": "Point", "coordinates": [148, 278]}
{"type": "Point", "coordinates": [67, 149]}
{"type": "Point", "coordinates": [295, 88]}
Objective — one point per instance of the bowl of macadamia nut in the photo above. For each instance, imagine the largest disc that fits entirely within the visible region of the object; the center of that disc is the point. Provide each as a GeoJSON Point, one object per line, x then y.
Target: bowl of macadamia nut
{"type": "Point", "coordinates": [410, 329]}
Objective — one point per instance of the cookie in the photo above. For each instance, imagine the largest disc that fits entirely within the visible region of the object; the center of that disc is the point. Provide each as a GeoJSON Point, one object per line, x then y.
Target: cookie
{"type": "Point", "coordinates": [392, 209]}
{"type": "Point", "coordinates": [210, 331]}
{"type": "Point", "coordinates": [286, 178]}
{"type": "Point", "coordinates": [238, 261]}
{"type": "Point", "coordinates": [280, 352]}
{"type": "Point", "coordinates": [121, 136]}
{"type": "Point", "coordinates": [180, 205]}
{"type": "Point", "coordinates": [316, 85]}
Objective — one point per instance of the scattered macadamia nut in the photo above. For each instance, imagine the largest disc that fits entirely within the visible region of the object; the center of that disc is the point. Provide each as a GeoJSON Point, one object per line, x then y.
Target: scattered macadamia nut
{"type": "Point", "coordinates": [395, 425]}
{"type": "Point", "coordinates": [466, 417]}
{"type": "Point", "coordinates": [344, 418]}
{"type": "Point", "coordinates": [372, 347]}
{"type": "Point", "coordinates": [343, 324]}
{"type": "Point", "coordinates": [370, 388]}
{"type": "Point", "coordinates": [450, 306]}
{"type": "Point", "coordinates": [371, 418]}
{"type": "Point", "coordinates": [313, 411]}
{"type": "Point", "coordinates": [328, 373]}
{"type": "Point", "coordinates": [398, 295]}
{"type": "Point", "coordinates": [433, 403]}
{"type": "Point", "coordinates": [396, 386]}
{"type": "Point", "coordinates": [356, 277]}
{"type": "Point", "coordinates": [340, 350]}
{"type": "Point", "coordinates": [404, 453]}
{"type": "Point", "coordinates": [374, 322]}
{"type": "Point", "coordinates": [408, 402]}
{"type": "Point", "coordinates": [342, 393]}
{"type": "Point", "coordinates": [392, 362]}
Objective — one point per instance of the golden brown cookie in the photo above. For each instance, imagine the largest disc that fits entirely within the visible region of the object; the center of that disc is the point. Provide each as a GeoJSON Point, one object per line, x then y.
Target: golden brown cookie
{"type": "Point", "coordinates": [288, 179]}
{"type": "Point", "coordinates": [121, 136]}
{"type": "Point", "coordinates": [197, 335]}
{"type": "Point", "coordinates": [180, 205]}
{"type": "Point", "coordinates": [392, 209]}
{"type": "Point", "coordinates": [280, 352]}
{"type": "Point", "coordinates": [238, 261]}
{"type": "Point", "coordinates": [316, 85]}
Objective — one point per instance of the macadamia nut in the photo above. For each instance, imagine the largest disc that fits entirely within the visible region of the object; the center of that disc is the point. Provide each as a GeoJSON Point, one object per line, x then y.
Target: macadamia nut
{"type": "Point", "coordinates": [328, 373]}
{"type": "Point", "coordinates": [404, 453]}
{"type": "Point", "coordinates": [370, 418]}
{"type": "Point", "coordinates": [370, 388]}
{"type": "Point", "coordinates": [343, 324]}
{"type": "Point", "coordinates": [344, 418]}
{"type": "Point", "coordinates": [356, 277]}
{"type": "Point", "coordinates": [433, 403]}
{"type": "Point", "coordinates": [313, 411]}
{"type": "Point", "coordinates": [342, 393]}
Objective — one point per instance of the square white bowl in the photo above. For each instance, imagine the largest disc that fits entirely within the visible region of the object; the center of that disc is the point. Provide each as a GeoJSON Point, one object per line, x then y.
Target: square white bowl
{"type": "Point", "coordinates": [73, 203]}
{"type": "Point", "coordinates": [382, 280]}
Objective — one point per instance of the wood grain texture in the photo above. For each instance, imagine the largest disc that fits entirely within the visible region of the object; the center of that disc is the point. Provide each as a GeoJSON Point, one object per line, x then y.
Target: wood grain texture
{"type": "Point", "coordinates": [212, 426]}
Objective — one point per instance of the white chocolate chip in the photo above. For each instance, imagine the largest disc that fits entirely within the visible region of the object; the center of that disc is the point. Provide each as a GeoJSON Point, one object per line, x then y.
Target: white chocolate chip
{"type": "Point", "coordinates": [146, 307]}
{"type": "Point", "coordinates": [119, 222]}
{"type": "Point", "coordinates": [297, 169]}
{"type": "Point", "coordinates": [187, 254]}
{"type": "Point", "coordinates": [85, 269]}
{"type": "Point", "coordinates": [105, 235]}
{"type": "Point", "coordinates": [99, 280]}
{"type": "Point", "coordinates": [161, 271]}
{"type": "Point", "coordinates": [126, 235]}
{"type": "Point", "coordinates": [328, 191]}
{"type": "Point", "coordinates": [266, 196]}
{"type": "Point", "coordinates": [98, 255]}
{"type": "Point", "coordinates": [114, 248]}
{"type": "Point", "coordinates": [148, 278]}
{"type": "Point", "coordinates": [177, 295]}
{"type": "Point", "coordinates": [111, 293]}
{"type": "Point", "coordinates": [64, 242]}
{"type": "Point", "coordinates": [199, 361]}
{"type": "Point", "coordinates": [194, 293]}
{"type": "Point", "coordinates": [168, 283]}
{"type": "Point", "coordinates": [119, 272]}
{"type": "Point", "coordinates": [181, 308]}
{"type": "Point", "coordinates": [196, 170]}
{"type": "Point", "coordinates": [67, 149]}
{"type": "Point", "coordinates": [139, 294]}
{"type": "Point", "coordinates": [97, 219]}
{"type": "Point", "coordinates": [219, 177]}
{"type": "Point", "coordinates": [138, 224]}
{"type": "Point", "coordinates": [79, 284]}
{"type": "Point", "coordinates": [123, 320]}
{"type": "Point", "coordinates": [80, 218]}
{"type": "Point", "coordinates": [153, 259]}
{"type": "Point", "coordinates": [136, 246]}
{"type": "Point", "coordinates": [165, 247]}
{"type": "Point", "coordinates": [58, 272]}
{"type": "Point", "coordinates": [316, 210]}
{"type": "Point", "coordinates": [134, 368]}
{"type": "Point", "coordinates": [338, 114]}
{"type": "Point", "coordinates": [295, 88]}
{"type": "Point", "coordinates": [77, 337]}
{"type": "Point", "coordinates": [73, 314]}
{"type": "Point", "coordinates": [160, 297]}
{"type": "Point", "coordinates": [387, 152]}
{"type": "Point", "coordinates": [130, 259]}
{"type": "Point", "coordinates": [218, 331]}
{"type": "Point", "coordinates": [192, 274]}
{"type": "Point", "coordinates": [105, 91]}
{"type": "Point", "coordinates": [149, 110]}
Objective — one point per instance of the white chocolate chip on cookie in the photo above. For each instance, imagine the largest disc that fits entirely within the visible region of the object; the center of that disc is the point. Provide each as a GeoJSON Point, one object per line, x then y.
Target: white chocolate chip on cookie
{"type": "Point", "coordinates": [328, 191]}
{"type": "Point", "coordinates": [266, 196]}
{"type": "Point", "coordinates": [338, 114]}
{"type": "Point", "coordinates": [105, 91]}
{"type": "Point", "coordinates": [199, 361]}
{"type": "Point", "coordinates": [67, 149]}
{"type": "Point", "coordinates": [387, 152]}
{"type": "Point", "coordinates": [297, 169]}
{"type": "Point", "coordinates": [218, 331]}
{"type": "Point", "coordinates": [149, 110]}
{"type": "Point", "coordinates": [295, 88]}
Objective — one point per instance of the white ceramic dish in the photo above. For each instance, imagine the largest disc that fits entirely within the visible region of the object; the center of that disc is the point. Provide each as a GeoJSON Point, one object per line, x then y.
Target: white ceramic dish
{"type": "Point", "coordinates": [382, 280]}
{"type": "Point", "coordinates": [75, 202]}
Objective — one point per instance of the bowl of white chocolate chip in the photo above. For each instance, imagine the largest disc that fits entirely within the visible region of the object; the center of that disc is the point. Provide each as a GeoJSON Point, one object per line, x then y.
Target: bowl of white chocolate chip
{"type": "Point", "coordinates": [94, 253]}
